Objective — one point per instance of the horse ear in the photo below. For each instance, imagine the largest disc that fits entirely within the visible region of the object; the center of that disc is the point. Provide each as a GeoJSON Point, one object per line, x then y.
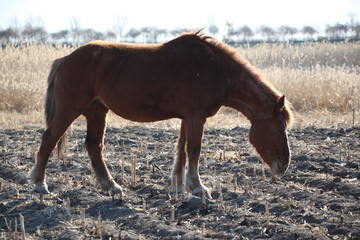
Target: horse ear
{"type": "Point", "coordinates": [279, 107]}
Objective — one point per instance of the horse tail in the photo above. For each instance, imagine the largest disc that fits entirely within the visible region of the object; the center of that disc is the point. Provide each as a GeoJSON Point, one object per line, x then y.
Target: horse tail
{"type": "Point", "coordinates": [50, 103]}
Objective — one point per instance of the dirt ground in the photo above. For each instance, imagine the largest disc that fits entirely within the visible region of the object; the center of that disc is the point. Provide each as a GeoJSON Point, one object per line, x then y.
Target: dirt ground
{"type": "Point", "coordinates": [318, 197]}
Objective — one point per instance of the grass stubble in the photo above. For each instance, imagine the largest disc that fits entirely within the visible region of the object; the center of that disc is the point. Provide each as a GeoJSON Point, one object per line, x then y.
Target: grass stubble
{"type": "Point", "coordinates": [321, 80]}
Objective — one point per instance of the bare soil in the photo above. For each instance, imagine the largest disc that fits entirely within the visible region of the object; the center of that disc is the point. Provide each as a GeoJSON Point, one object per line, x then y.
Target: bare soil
{"type": "Point", "coordinates": [318, 197]}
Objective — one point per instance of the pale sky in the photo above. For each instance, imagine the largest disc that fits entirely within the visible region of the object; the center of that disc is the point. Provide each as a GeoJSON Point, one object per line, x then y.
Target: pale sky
{"type": "Point", "coordinates": [101, 15]}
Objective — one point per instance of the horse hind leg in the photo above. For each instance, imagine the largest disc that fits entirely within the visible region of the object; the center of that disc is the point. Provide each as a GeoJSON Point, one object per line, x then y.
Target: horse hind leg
{"type": "Point", "coordinates": [96, 124]}
{"type": "Point", "coordinates": [51, 136]}
{"type": "Point", "coordinates": [178, 173]}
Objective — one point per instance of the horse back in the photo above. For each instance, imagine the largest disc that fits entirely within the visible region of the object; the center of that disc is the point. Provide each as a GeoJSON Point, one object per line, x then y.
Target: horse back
{"type": "Point", "coordinates": [148, 82]}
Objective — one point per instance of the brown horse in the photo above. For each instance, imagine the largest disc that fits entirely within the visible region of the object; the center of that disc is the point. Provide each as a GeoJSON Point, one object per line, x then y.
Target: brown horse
{"type": "Point", "coordinates": [188, 78]}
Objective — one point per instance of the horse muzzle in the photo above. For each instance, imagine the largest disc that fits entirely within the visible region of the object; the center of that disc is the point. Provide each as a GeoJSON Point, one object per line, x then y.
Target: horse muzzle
{"type": "Point", "coordinates": [278, 168]}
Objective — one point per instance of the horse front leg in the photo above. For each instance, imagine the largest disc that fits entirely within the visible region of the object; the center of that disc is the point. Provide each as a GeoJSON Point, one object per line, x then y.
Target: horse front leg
{"type": "Point", "coordinates": [178, 173]}
{"type": "Point", "coordinates": [96, 124]}
{"type": "Point", "coordinates": [194, 133]}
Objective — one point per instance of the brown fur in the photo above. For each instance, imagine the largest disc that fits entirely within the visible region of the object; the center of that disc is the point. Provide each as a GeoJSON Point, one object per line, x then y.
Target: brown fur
{"type": "Point", "coordinates": [189, 78]}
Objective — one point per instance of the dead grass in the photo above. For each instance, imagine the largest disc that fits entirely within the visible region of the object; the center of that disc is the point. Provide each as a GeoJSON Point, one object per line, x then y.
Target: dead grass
{"type": "Point", "coordinates": [304, 56]}
{"type": "Point", "coordinates": [318, 89]}
{"type": "Point", "coordinates": [321, 80]}
{"type": "Point", "coordinates": [23, 74]}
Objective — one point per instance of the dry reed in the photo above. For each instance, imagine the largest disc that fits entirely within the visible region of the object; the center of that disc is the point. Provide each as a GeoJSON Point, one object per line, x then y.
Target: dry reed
{"type": "Point", "coordinates": [315, 77]}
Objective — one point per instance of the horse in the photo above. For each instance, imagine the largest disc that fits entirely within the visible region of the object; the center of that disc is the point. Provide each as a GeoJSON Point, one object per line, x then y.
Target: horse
{"type": "Point", "coordinates": [190, 78]}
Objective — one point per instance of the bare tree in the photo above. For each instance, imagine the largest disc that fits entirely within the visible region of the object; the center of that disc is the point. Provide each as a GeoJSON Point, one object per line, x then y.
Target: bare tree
{"type": "Point", "coordinates": [230, 31]}
{"type": "Point", "coordinates": [151, 34]}
{"type": "Point", "coordinates": [287, 31]}
{"type": "Point", "coordinates": [34, 30]}
{"type": "Point", "coordinates": [27, 32]}
{"type": "Point", "coordinates": [8, 35]}
{"type": "Point", "coordinates": [337, 31]}
{"type": "Point", "coordinates": [98, 36]}
{"type": "Point", "coordinates": [213, 29]}
{"type": "Point", "coordinates": [60, 36]}
{"type": "Point", "coordinates": [75, 30]}
{"type": "Point", "coordinates": [40, 34]}
{"type": "Point", "coordinates": [356, 30]}
{"type": "Point", "coordinates": [157, 33]}
{"type": "Point", "coordinates": [343, 29]}
{"type": "Point", "coordinates": [110, 35]}
{"type": "Point", "coordinates": [119, 26]}
{"type": "Point", "coordinates": [308, 32]}
{"type": "Point", "coordinates": [352, 23]}
{"type": "Point", "coordinates": [90, 34]}
{"type": "Point", "coordinates": [16, 29]}
{"type": "Point", "coordinates": [246, 33]}
{"type": "Point", "coordinates": [331, 32]}
{"type": "Point", "coordinates": [178, 31]}
{"type": "Point", "coordinates": [133, 33]}
{"type": "Point", "coordinates": [267, 32]}
{"type": "Point", "coordinates": [4, 35]}
{"type": "Point", "coordinates": [146, 32]}
{"type": "Point", "coordinates": [32, 33]}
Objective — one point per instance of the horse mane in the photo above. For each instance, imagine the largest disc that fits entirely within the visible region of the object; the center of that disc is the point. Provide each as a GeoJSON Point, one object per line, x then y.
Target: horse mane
{"type": "Point", "coordinates": [230, 60]}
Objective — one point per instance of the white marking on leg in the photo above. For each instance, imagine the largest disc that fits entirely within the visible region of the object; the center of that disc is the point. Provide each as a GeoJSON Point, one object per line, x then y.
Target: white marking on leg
{"type": "Point", "coordinates": [33, 172]}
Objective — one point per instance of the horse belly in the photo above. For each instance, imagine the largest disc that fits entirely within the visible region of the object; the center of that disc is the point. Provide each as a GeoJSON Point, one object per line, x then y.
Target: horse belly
{"type": "Point", "coordinates": [142, 107]}
{"type": "Point", "coordinates": [144, 114]}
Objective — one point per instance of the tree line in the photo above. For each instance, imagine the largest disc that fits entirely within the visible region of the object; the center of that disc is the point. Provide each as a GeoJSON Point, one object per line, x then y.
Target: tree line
{"type": "Point", "coordinates": [337, 32]}
{"type": "Point", "coordinates": [74, 34]}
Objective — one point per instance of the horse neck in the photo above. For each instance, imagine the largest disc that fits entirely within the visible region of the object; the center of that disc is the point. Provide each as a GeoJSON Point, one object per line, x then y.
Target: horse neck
{"type": "Point", "coordinates": [249, 94]}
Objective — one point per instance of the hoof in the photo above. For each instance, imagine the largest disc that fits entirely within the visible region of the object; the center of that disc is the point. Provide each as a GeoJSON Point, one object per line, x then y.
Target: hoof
{"type": "Point", "coordinates": [41, 188]}
{"type": "Point", "coordinates": [116, 189]}
{"type": "Point", "coordinates": [111, 186]}
{"type": "Point", "coordinates": [198, 192]}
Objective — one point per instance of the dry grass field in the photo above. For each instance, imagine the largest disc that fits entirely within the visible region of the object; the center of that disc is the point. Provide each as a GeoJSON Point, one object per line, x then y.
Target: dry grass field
{"type": "Point", "coordinates": [321, 80]}
{"type": "Point", "coordinates": [318, 198]}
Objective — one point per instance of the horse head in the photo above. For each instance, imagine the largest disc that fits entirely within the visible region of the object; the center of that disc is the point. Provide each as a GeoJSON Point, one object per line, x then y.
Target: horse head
{"type": "Point", "coordinates": [268, 134]}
